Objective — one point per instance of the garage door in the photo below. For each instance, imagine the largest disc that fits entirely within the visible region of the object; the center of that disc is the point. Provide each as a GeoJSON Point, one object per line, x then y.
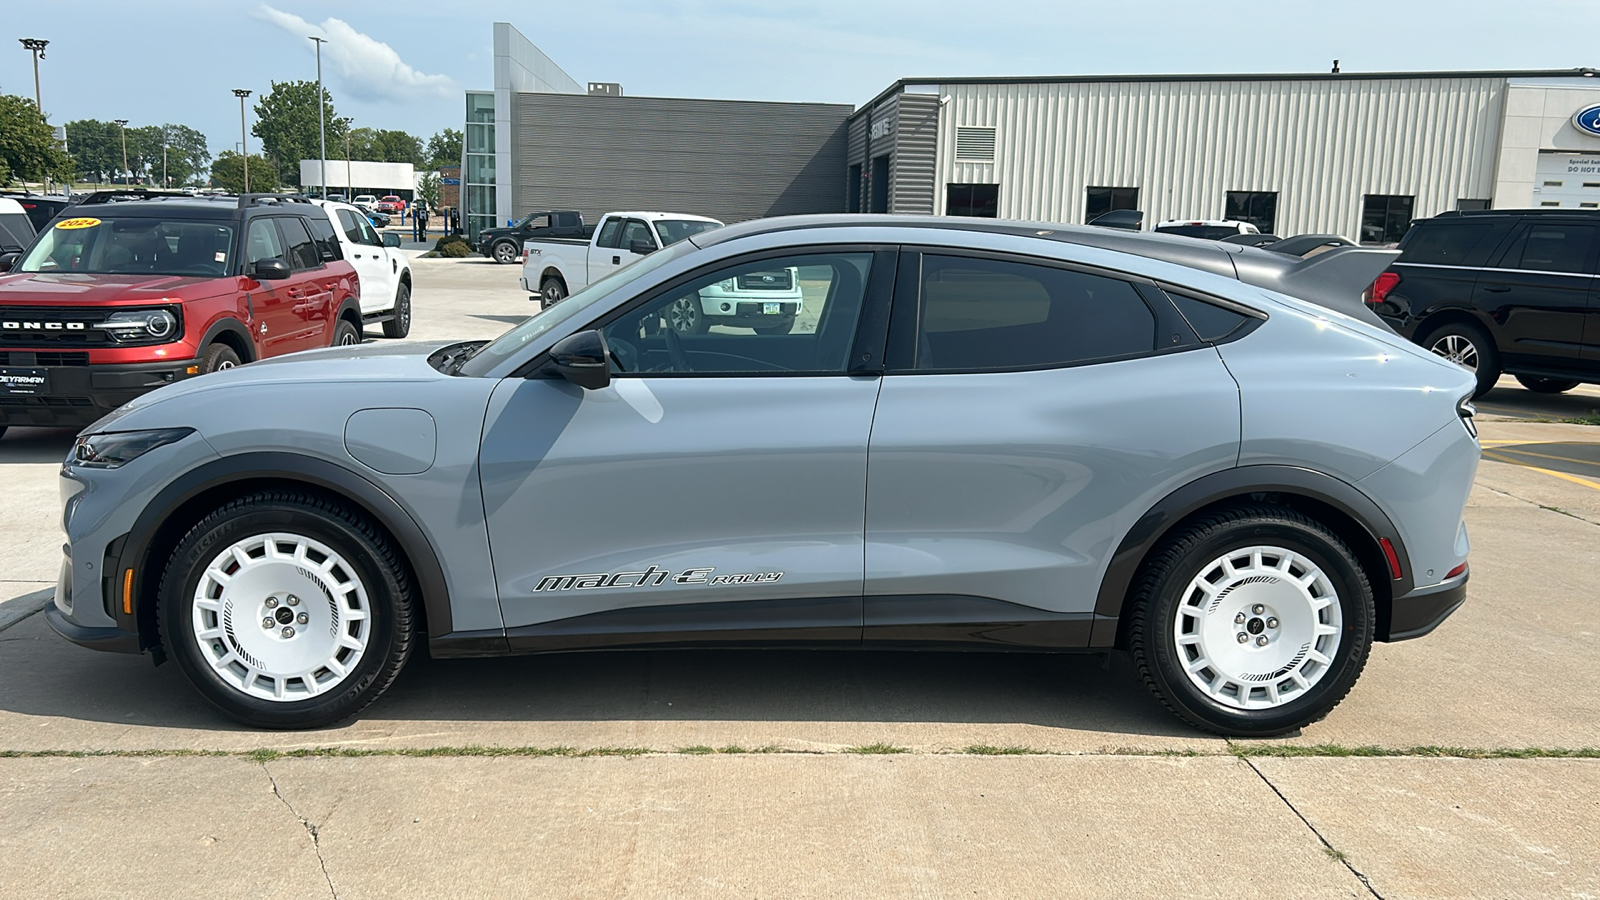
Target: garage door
{"type": "Point", "coordinates": [1568, 180]}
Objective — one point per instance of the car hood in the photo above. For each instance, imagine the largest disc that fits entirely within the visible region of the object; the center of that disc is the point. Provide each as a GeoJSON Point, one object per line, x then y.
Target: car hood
{"type": "Point", "coordinates": [81, 288]}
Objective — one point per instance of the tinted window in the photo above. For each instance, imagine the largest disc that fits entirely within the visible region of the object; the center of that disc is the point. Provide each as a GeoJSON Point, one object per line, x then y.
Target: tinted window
{"type": "Point", "coordinates": [350, 223]}
{"type": "Point", "coordinates": [1259, 208]}
{"type": "Point", "coordinates": [636, 231]}
{"type": "Point", "coordinates": [977, 200]}
{"type": "Point", "coordinates": [302, 253]}
{"type": "Point", "coordinates": [1210, 322]}
{"type": "Point", "coordinates": [609, 232]}
{"type": "Point", "coordinates": [1101, 200]}
{"type": "Point", "coordinates": [1443, 245]}
{"type": "Point", "coordinates": [788, 315]}
{"type": "Point", "coordinates": [262, 242]}
{"type": "Point", "coordinates": [1385, 218]}
{"type": "Point", "coordinates": [323, 236]}
{"type": "Point", "coordinates": [15, 231]}
{"type": "Point", "coordinates": [990, 314]}
{"type": "Point", "coordinates": [1551, 248]}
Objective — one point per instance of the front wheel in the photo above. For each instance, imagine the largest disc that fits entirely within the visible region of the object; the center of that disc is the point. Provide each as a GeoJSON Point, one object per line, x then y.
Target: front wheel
{"type": "Point", "coordinates": [1546, 385]}
{"type": "Point", "coordinates": [1467, 346]}
{"type": "Point", "coordinates": [218, 358]}
{"type": "Point", "coordinates": [286, 610]}
{"type": "Point", "coordinates": [399, 324]}
{"type": "Point", "coordinates": [1252, 621]}
{"type": "Point", "coordinates": [504, 253]}
{"type": "Point", "coordinates": [685, 316]}
{"type": "Point", "coordinates": [345, 334]}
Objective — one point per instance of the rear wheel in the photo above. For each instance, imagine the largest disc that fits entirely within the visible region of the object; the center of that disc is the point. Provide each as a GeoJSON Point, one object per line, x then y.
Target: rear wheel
{"type": "Point", "coordinates": [219, 357]}
{"type": "Point", "coordinates": [399, 324]}
{"type": "Point", "coordinates": [552, 291]}
{"type": "Point", "coordinates": [1252, 621]}
{"type": "Point", "coordinates": [345, 334]}
{"type": "Point", "coordinates": [504, 252]}
{"type": "Point", "coordinates": [286, 610]}
{"type": "Point", "coordinates": [783, 327]}
{"type": "Point", "coordinates": [1546, 385]}
{"type": "Point", "coordinates": [1467, 346]}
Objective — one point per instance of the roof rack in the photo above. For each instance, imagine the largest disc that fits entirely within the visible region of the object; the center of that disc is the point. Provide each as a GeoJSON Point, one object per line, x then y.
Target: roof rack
{"type": "Point", "coordinates": [253, 199]}
{"type": "Point", "coordinates": [129, 194]}
{"type": "Point", "coordinates": [1536, 211]}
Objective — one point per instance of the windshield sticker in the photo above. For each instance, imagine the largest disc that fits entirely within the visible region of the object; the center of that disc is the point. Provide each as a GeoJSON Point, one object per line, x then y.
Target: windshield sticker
{"type": "Point", "coordinates": [651, 577]}
{"type": "Point", "coordinates": [70, 224]}
{"type": "Point", "coordinates": [220, 256]}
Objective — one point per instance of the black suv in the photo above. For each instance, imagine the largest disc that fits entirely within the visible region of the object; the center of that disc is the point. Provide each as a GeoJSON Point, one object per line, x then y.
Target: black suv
{"type": "Point", "coordinates": [1504, 290]}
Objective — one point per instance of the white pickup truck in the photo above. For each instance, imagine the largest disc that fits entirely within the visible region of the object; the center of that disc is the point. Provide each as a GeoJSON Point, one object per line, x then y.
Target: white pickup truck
{"type": "Point", "coordinates": [383, 270]}
{"type": "Point", "coordinates": [553, 268]}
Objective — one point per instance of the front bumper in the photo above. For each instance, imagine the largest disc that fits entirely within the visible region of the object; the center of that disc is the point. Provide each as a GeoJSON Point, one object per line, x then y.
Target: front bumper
{"type": "Point", "coordinates": [108, 638]}
{"type": "Point", "coordinates": [1424, 609]}
{"type": "Point", "coordinates": [76, 396]}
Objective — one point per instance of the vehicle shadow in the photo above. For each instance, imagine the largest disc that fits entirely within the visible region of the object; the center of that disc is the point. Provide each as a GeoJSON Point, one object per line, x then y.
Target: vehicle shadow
{"type": "Point", "coordinates": [1071, 692]}
{"type": "Point", "coordinates": [36, 445]}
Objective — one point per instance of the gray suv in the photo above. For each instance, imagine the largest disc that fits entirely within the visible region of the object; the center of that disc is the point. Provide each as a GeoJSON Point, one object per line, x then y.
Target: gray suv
{"type": "Point", "coordinates": [979, 436]}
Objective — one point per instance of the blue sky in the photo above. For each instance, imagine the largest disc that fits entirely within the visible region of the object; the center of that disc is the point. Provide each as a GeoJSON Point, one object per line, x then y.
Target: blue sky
{"type": "Point", "coordinates": [403, 64]}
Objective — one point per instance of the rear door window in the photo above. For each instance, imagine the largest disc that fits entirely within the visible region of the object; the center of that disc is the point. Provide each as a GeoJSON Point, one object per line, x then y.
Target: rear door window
{"type": "Point", "coordinates": [1553, 247]}
{"type": "Point", "coordinates": [1443, 245]}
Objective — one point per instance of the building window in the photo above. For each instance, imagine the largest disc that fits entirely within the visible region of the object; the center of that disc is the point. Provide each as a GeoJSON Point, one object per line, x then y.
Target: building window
{"type": "Point", "coordinates": [879, 186]}
{"type": "Point", "coordinates": [1385, 218]}
{"type": "Point", "coordinates": [1472, 204]}
{"type": "Point", "coordinates": [1102, 200]}
{"type": "Point", "coordinates": [1259, 208]}
{"type": "Point", "coordinates": [980, 200]}
{"type": "Point", "coordinates": [852, 200]}
{"type": "Point", "coordinates": [480, 209]}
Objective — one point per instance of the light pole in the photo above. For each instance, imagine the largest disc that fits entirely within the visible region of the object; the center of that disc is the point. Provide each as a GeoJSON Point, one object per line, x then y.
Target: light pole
{"type": "Point", "coordinates": [244, 142]}
{"type": "Point", "coordinates": [348, 187]}
{"type": "Point", "coordinates": [322, 125]}
{"type": "Point", "coordinates": [123, 124]}
{"type": "Point", "coordinates": [36, 47]}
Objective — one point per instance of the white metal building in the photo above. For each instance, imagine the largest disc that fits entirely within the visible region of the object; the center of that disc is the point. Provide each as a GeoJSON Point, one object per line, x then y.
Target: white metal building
{"type": "Point", "coordinates": [357, 176]}
{"type": "Point", "coordinates": [1359, 154]}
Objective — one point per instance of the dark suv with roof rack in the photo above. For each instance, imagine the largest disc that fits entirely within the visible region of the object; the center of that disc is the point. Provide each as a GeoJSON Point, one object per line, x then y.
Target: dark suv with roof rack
{"type": "Point", "coordinates": [137, 289]}
{"type": "Point", "coordinates": [1501, 291]}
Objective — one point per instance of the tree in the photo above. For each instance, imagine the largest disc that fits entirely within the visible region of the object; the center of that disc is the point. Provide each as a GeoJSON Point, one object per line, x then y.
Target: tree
{"type": "Point", "coordinates": [96, 149]}
{"type": "Point", "coordinates": [444, 149]}
{"type": "Point", "coordinates": [428, 189]}
{"type": "Point", "coordinates": [28, 146]}
{"type": "Point", "coordinates": [385, 145]}
{"type": "Point", "coordinates": [286, 123]}
{"type": "Point", "coordinates": [227, 173]}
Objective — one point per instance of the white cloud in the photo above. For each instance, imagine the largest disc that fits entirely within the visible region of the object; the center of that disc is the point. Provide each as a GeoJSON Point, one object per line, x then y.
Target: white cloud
{"type": "Point", "coordinates": [367, 68]}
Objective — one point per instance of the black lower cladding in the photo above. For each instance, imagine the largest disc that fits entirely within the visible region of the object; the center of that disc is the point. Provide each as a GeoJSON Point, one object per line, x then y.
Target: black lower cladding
{"type": "Point", "coordinates": [78, 395]}
{"type": "Point", "coordinates": [1421, 611]}
{"type": "Point", "coordinates": [915, 621]}
{"type": "Point", "coordinates": [114, 640]}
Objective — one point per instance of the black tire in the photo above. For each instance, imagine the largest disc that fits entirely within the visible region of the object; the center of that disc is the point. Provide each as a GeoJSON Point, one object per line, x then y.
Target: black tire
{"type": "Point", "coordinates": [503, 252]}
{"type": "Point", "coordinates": [1546, 385]}
{"type": "Point", "coordinates": [368, 553]}
{"type": "Point", "coordinates": [685, 316]}
{"type": "Point", "coordinates": [551, 291]}
{"type": "Point", "coordinates": [218, 357]}
{"type": "Point", "coordinates": [784, 327]}
{"type": "Point", "coordinates": [1164, 583]}
{"type": "Point", "coordinates": [345, 334]}
{"type": "Point", "coordinates": [399, 324]}
{"type": "Point", "coordinates": [1460, 339]}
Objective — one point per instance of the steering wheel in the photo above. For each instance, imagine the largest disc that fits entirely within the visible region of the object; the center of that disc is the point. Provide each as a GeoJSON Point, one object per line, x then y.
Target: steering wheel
{"type": "Point", "coordinates": [680, 360]}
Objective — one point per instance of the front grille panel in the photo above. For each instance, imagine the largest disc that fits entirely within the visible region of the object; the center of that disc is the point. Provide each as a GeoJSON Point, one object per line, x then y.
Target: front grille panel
{"type": "Point", "coordinates": [70, 326]}
{"type": "Point", "coordinates": [781, 280]}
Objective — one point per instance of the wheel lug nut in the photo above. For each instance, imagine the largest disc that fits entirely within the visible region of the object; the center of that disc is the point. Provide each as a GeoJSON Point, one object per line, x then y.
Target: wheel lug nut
{"type": "Point", "coordinates": [1243, 637]}
{"type": "Point", "coordinates": [293, 600]}
{"type": "Point", "coordinates": [1258, 609]}
{"type": "Point", "coordinates": [302, 618]}
{"type": "Point", "coordinates": [1261, 641]}
{"type": "Point", "coordinates": [267, 622]}
{"type": "Point", "coordinates": [288, 632]}
{"type": "Point", "coordinates": [272, 602]}
{"type": "Point", "coordinates": [1272, 623]}
{"type": "Point", "coordinates": [1239, 619]}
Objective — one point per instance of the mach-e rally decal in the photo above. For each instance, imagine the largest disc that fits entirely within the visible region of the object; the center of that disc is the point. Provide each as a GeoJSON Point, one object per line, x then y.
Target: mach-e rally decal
{"type": "Point", "coordinates": [652, 577]}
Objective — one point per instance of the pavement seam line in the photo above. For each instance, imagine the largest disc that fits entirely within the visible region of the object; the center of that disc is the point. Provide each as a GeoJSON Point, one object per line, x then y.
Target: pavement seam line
{"type": "Point", "coordinates": [316, 841]}
{"type": "Point", "coordinates": [1328, 847]}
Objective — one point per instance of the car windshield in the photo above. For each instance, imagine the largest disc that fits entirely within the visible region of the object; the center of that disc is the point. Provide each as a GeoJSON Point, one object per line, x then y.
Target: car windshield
{"type": "Point", "coordinates": [508, 344]}
{"type": "Point", "coordinates": [142, 245]}
{"type": "Point", "coordinates": [1204, 232]}
{"type": "Point", "coordinates": [675, 230]}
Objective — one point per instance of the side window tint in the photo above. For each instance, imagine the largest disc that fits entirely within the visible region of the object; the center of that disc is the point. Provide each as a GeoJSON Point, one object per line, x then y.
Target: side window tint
{"type": "Point", "coordinates": [980, 314]}
{"type": "Point", "coordinates": [1552, 248]}
{"type": "Point", "coordinates": [262, 242]}
{"type": "Point", "coordinates": [327, 242]}
{"type": "Point", "coordinates": [1443, 245]}
{"type": "Point", "coordinates": [369, 235]}
{"type": "Point", "coordinates": [609, 232]}
{"type": "Point", "coordinates": [636, 231]}
{"type": "Point", "coordinates": [302, 253]}
{"type": "Point", "coordinates": [788, 315]}
{"type": "Point", "coordinates": [1210, 322]}
{"type": "Point", "coordinates": [350, 225]}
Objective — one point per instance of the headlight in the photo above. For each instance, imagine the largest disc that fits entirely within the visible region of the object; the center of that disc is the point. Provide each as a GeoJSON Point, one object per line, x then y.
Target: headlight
{"type": "Point", "coordinates": [113, 448]}
{"type": "Point", "coordinates": [140, 325]}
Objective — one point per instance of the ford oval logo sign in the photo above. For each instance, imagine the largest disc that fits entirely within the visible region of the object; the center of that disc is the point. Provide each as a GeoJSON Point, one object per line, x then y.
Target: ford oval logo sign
{"type": "Point", "coordinates": [1587, 120]}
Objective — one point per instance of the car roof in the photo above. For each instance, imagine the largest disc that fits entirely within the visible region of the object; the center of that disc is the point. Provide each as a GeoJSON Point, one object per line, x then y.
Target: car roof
{"type": "Point", "coordinates": [1198, 222]}
{"type": "Point", "coordinates": [8, 205]}
{"type": "Point", "coordinates": [657, 216]}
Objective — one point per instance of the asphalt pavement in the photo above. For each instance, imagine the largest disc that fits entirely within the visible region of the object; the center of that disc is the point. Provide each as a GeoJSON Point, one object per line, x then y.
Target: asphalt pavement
{"type": "Point", "coordinates": [1462, 765]}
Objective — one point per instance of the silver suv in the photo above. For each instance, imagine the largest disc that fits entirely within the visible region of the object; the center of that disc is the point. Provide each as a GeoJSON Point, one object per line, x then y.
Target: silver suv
{"type": "Point", "coordinates": [981, 435]}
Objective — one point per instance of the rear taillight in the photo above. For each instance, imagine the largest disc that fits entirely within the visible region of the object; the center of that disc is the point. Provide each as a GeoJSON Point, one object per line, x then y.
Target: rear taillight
{"type": "Point", "coordinates": [1380, 289]}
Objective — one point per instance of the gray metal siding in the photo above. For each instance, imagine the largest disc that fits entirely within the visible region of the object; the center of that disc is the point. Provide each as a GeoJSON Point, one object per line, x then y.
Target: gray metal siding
{"type": "Point", "coordinates": [732, 160]}
{"type": "Point", "coordinates": [915, 151]}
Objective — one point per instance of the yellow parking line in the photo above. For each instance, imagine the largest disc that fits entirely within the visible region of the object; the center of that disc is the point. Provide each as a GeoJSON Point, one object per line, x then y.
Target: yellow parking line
{"type": "Point", "coordinates": [1547, 456]}
{"type": "Point", "coordinates": [1562, 475]}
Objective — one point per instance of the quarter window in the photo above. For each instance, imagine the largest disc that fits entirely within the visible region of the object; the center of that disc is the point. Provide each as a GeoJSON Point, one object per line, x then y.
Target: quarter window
{"type": "Point", "coordinates": [979, 314]}
{"type": "Point", "coordinates": [790, 315]}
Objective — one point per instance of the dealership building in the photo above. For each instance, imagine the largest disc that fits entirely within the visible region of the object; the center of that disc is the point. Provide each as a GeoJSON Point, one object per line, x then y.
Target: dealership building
{"type": "Point", "coordinates": [1358, 154]}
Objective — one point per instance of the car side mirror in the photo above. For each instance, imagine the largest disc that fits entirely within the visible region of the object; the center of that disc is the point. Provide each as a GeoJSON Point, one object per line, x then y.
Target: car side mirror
{"type": "Point", "coordinates": [642, 247]}
{"type": "Point", "coordinates": [390, 239]}
{"type": "Point", "coordinates": [8, 261]}
{"type": "Point", "coordinates": [273, 269]}
{"type": "Point", "coordinates": [583, 359]}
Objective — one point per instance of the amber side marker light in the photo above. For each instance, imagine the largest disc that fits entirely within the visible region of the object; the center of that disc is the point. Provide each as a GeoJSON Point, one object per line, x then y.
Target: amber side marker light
{"type": "Point", "coordinates": [192, 370]}
{"type": "Point", "coordinates": [127, 592]}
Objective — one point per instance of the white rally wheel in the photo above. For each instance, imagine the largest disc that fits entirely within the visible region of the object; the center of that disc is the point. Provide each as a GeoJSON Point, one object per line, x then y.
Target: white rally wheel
{"type": "Point", "coordinates": [1258, 627]}
{"type": "Point", "coordinates": [281, 617]}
